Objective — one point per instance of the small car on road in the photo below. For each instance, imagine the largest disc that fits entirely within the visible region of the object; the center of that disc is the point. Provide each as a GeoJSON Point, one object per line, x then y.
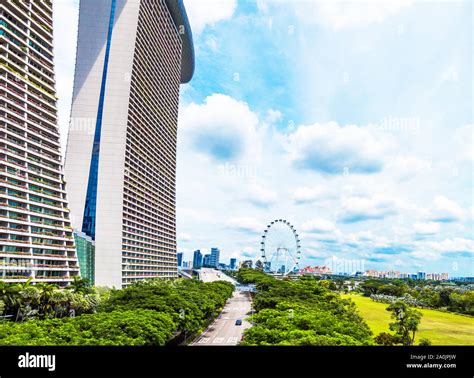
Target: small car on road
{"type": "Point", "coordinates": [238, 322]}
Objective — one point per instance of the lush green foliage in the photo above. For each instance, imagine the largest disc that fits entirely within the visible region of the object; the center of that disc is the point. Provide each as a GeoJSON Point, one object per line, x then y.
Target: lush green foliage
{"type": "Point", "coordinates": [425, 342]}
{"type": "Point", "coordinates": [190, 303]}
{"type": "Point", "coordinates": [406, 298]}
{"type": "Point", "coordinates": [138, 327]}
{"type": "Point", "coordinates": [22, 301]}
{"type": "Point", "coordinates": [146, 313]}
{"type": "Point", "coordinates": [406, 322]}
{"type": "Point", "coordinates": [416, 293]}
{"type": "Point", "coordinates": [301, 312]}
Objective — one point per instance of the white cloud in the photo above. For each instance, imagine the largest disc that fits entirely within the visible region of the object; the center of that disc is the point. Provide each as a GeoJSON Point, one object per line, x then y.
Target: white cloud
{"type": "Point", "coordinates": [65, 18]}
{"type": "Point", "coordinates": [184, 237]}
{"type": "Point", "coordinates": [366, 235]}
{"type": "Point", "coordinates": [306, 194]}
{"type": "Point", "coordinates": [246, 224]}
{"type": "Point", "coordinates": [445, 210]}
{"type": "Point", "coordinates": [202, 13]}
{"type": "Point", "coordinates": [338, 15]}
{"type": "Point", "coordinates": [426, 228]}
{"type": "Point", "coordinates": [434, 250]}
{"type": "Point", "coordinates": [333, 149]}
{"type": "Point", "coordinates": [273, 116]}
{"type": "Point", "coordinates": [261, 196]}
{"type": "Point", "coordinates": [221, 127]}
{"type": "Point", "coordinates": [212, 43]}
{"type": "Point", "coordinates": [357, 209]}
{"type": "Point", "coordinates": [193, 214]}
{"type": "Point", "coordinates": [452, 245]}
{"type": "Point", "coordinates": [318, 226]}
{"type": "Point", "coordinates": [463, 138]}
{"type": "Point", "coordinates": [407, 167]}
{"type": "Point", "coordinates": [426, 255]}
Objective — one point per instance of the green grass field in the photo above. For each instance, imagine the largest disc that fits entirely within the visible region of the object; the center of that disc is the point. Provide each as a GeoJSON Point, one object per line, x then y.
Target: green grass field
{"type": "Point", "coordinates": [441, 328]}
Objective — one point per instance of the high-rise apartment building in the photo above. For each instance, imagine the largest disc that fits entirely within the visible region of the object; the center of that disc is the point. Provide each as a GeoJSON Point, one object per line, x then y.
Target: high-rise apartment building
{"type": "Point", "coordinates": [35, 230]}
{"type": "Point", "coordinates": [206, 260]}
{"type": "Point", "coordinates": [215, 254]}
{"type": "Point", "coordinates": [197, 259]}
{"type": "Point", "coordinates": [132, 56]}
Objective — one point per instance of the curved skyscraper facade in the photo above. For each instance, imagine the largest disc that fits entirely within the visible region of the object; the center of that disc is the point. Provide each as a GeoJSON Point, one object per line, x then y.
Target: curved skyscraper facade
{"type": "Point", "coordinates": [132, 56]}
{"type": "Point", "coordinates": [36, 239]}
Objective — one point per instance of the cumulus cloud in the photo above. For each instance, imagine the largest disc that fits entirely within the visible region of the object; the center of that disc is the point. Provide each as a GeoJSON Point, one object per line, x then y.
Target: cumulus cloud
{"type": "Point", "coordinates": [221, 127]}
{"type": "Point", "coordinates": [426, 228]}
{"type": "Point", "coordinates": [304, 194]}
{"type": "Point", "coordinates": [425, 255]}
{"type": "Point", "coordinates": [273, 116]}
{"type": "Point", "coordinates": [65, 16]}
{"type": "Point", "coordinates": [407, 167]}
{"type": "Point", "coordinates": [361, 236]}
{"type": "Point", "coordinates": [202, 13]}
{"type": "Point", "coordinates": [434, 250]}
{"type": "Point", "coordinates": [445, 210]}
{"type": "Point", "coordinates": [452, 245]}
{"type": "Point", "coordinates": [333, 149]}
{"type": "Point", "coordinates": [318, 226]}
{"type": "Point", "coordinates": [184, 237]}
{"type": "Point", "coordinates": [338, 15]}
{"type": "Point", "coordinates": [393, 249]}
{"type": "Point", "coordinates": [357, 209]}
{"type": "Point", "coordinates": [245, 224]}
{"type": "Point", "coordinates": [260, 196]}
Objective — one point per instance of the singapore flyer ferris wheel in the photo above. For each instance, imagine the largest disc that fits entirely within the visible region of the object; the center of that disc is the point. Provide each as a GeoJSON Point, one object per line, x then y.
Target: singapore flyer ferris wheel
{"type": "Point", "coordinates": [280, 248]}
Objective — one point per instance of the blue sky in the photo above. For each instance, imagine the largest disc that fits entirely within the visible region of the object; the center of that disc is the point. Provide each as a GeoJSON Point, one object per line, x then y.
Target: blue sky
{"type": "Point", "coordinates": [353, 120]}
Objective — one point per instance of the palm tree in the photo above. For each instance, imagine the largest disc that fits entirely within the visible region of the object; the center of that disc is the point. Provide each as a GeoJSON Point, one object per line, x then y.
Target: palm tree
{"type": "Point", "coordinates": [80, 285]}
{"type": "Point", "coordinates": [46, 291]}
{"type": "Point", "coordinates": [24, 285]}
{"type": "Point", "coordinates": [59, 301]}
{"type": "Point", "coordinates": [9, 294]}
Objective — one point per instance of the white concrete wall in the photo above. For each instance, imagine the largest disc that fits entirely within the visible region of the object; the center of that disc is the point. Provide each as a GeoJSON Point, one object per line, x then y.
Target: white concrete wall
{"type": "Point", "coordinates": [92, 41]}
{"type": "Point", "coordinates": [112, 151]}
{"type": "Point", "coordinates": [92, 38]}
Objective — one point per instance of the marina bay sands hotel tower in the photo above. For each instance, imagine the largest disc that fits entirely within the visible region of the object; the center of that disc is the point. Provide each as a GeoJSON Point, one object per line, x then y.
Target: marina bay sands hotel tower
{"type": "Point", "coordinates": [132, 56]}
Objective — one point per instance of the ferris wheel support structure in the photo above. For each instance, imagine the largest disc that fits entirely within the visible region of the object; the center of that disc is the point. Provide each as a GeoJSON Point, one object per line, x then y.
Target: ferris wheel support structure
{"type": "Point", "coordinates": [289, 254]}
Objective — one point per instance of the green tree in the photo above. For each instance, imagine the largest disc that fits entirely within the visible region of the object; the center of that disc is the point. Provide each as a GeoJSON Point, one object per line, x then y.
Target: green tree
{"type": "Point", "coordinates": [80, 285]}
{"type": "Point", "coordinates": [406, 322]}
{"type": "Point", "coordinates": [45, 307]}
{"type": "Point", "coordinates": [10, 295]}
{"type": "Point", "coordinates": [120, 328]}
{"type": "Point", "coordinates": [301, 312]}
{"type": "Point", "coordinates": [424, 342]}
{"type": "Point", "coordinates": [386, 339]}
{"type": "Point", "coordinates": [259, 265]}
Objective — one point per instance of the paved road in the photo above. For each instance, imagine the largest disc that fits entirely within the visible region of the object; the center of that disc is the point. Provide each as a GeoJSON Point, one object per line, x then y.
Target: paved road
{"type": "Point", "coordinates": [209, 275]}
{"type": "Point", "coordinates": [223, 330]}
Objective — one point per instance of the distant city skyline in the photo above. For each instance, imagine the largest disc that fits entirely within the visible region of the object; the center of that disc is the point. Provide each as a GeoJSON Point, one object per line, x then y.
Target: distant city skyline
{"type": "Point", "coordinates": [389, 110]}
